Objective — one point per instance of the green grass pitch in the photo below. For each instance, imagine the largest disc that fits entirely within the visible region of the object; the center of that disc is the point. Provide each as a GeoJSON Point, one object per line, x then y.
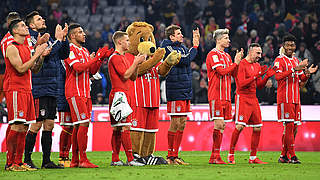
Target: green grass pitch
{"type": "Point", "coordinates": [199, 168]}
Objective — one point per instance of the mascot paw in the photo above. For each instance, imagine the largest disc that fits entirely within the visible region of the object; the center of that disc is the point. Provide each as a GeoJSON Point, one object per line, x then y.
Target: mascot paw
{"type": "Point", "coordinates": [159, 54]}
{"type": "Point", "coordinates": [173, 58]}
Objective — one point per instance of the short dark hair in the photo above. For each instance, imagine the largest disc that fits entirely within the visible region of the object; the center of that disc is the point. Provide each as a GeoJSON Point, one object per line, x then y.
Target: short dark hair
{"type": "Point", "coordinates": [13, 25]}
{"type": "Point", "coordinates": [170, 30]}
{"type": "Point", "coordinates": [117, 35]}
{"type": "Point", "coordinates": [29, 17]}
{"type": "Point", "coordinates": [288, 37]}
{"type": "Point", "coordinates": [11, 16]}
{"type": "Point", "coordinates": [252, 45]}
{"type": "Point", "coordinates": [72, 27]}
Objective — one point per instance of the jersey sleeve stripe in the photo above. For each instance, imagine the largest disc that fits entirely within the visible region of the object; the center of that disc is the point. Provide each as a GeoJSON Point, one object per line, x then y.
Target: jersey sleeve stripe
{"type": "Point", "coordinates": [72, 62]}
{"type": "Point", "coordinates": [217, 65]}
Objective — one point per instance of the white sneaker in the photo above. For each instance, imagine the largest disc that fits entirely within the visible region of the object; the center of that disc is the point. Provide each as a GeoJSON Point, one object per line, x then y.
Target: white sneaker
{"type": "Point", "coordinates": [118, 163]}
{"type": "Point", "coordinates": [135, 163]}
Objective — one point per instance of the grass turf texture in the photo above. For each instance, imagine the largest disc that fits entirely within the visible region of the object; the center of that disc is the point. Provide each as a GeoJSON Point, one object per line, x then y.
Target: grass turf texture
{"type": "Point", "coordinates": [199, 168]}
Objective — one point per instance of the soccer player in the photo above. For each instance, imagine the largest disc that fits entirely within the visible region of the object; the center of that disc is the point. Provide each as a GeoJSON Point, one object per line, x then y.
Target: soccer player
{"type": "Point", "coordinates": [8, 38]}
{"type": "Point", "coordinates": [178, 88]}
{"type": "Point", "coordinates": [121, 71]}
{"type": "Point", "coordinates": [17, 87]}
{"type": "Point", "coordinates": [79, 66]}
{"type": "Point", "coordinates": [247, 113]}
{"type": "Point", "coordinates": [220, 69]}
{"type": "Point", "coordinates": [44, 89]}
{"type": "Point", "coordinates": [290, 72]}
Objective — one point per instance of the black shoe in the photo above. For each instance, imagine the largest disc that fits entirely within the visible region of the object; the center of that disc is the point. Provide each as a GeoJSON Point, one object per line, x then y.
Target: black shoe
{"type": "Point", "coordinates": [51, 165]}
{"type": "Point", "coordinates": [30, 163]}
{"type": "Point", "coordinates": [6, 167]}
{"type": "Point", "coordinates": [283, 159]}
{"type": "Point", "coordinates": [154, 160]}
{"type": "Point", "coordinates": [295, 160]}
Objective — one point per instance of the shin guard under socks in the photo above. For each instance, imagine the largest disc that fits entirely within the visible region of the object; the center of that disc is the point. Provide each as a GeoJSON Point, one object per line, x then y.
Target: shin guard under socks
{"type": "Point", "coordinates": [234, 140]}
{"type": "Point", "coordinates": [171, 137]}
{"type": "Point", "coordinates": [116, 145]}
{"type": "Point", "coordinates": [20, 147]}
{"type": "Point", "coordinates": [12, 139]}
{"type": "Point", "coordinates": [46, 143]}
{"type": "Point", "coordinates": [29, 145]}
{"type": "Point", "coordinates": [126, 143]}
{"type": "Point", "coordinates": [82, 142]}
{"type": "Point", "coordinates": [255, 139]}
{"type": "Point", "coordinates": [177, 143]}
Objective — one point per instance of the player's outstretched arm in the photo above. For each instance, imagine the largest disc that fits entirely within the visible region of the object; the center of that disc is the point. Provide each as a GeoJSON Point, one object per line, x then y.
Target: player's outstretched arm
{"type": "Point", "coordinates": [15, 59]}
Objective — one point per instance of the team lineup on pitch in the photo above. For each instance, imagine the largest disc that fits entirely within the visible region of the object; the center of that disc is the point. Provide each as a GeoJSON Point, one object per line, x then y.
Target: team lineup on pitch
{"type": "Point", "coordinates": [48, 75]}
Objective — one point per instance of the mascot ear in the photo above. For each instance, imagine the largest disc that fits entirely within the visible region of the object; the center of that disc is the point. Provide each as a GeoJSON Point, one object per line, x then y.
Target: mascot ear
{"type": "Point", "coordinates": [130, 30]}
{"type": "Point", "coordinates": [151, 27]}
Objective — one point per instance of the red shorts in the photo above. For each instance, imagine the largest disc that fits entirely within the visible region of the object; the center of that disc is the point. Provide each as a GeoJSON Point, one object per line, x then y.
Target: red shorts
{"type": "Point", "coordinates": [65, 118]}
{"type": "Point", "coordinates": [147, 119]}
{"type": "Point", "coordinates": [289, 113]}
{"type": "Point", "coordinates": [178, 108]}
{"type": "Point", "coordinates": [248, 111]}
{"type": "Point", "coordinates": [20, 107]}
{"type": "Point", "coordinates": [124, 122]}
{"type": "Point", "coordinates": [220, 110]}
{"type": "Point", "coordinates": [80, 108]}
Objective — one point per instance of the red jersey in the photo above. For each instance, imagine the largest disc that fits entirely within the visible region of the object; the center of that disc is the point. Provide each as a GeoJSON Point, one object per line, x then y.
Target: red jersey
{"type": "Point", "coordinates": [147, 87]}
{"type": "Point", "coordinates": [77, 82]}
{"type": "Point", "coordinates": [13, 80]}
{"type": "Point", "coordinates": [288, 79]}
{"type": "Point", "coordinates": [117, 66]}
{"type": "Point", "coordinates": [245, 81]}
{"type": "Point", "coordinates": [8, 38]}
{"type": "Point", "coordinates": [220, 69]}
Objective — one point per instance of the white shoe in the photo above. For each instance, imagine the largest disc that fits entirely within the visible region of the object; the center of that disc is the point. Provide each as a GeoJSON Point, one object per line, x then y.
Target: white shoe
{"type": "Point", "coordinates": [118, 163]}
{"type": "Point", "coordinates": [135, 163]}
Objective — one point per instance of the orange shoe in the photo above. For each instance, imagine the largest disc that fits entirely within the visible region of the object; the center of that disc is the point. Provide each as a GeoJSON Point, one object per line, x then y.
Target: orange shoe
{"type": "Point", "coordinates": [87, 164]}
{"type": "Point", "coordinates": [256, 161]}
{"type": "Point", "coordinates": [231, 159]}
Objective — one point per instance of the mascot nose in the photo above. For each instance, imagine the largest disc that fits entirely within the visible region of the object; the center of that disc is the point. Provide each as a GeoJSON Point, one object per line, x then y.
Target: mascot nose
{"type": "Point", "coordinates": [152, 49]}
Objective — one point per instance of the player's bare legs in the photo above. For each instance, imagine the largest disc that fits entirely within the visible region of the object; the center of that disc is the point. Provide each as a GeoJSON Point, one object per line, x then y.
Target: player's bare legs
{"type": "Point", "coordinates": [217, 135]}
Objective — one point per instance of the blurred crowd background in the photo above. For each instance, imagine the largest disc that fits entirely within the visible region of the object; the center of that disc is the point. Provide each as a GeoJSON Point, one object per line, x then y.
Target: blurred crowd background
{"type": "Point", "coordinates": [261, 21]}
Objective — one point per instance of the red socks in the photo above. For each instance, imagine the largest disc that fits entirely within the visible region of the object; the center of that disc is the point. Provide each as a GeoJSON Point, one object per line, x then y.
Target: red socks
{"type": "Point", "coordinates": [65, 142]}
{"type": "Point", "coordinates": [216, 138]}
{"type": "Point", "coordinates": [177, 142]}
{"type": "Point", "coordinates": [82, 142]}
{"type": "Point", "coordinates": [171, 137]}
{"type": "Point", "coordinates": [289, 138]}
{"type": "Point", "coordinates": [21, 138]}
{"type": "Point", "coordinates": [116, 145]}
{"type": "Point", "coordinates": [284, 149]}
{"type": "Point", "coordinates": [126, 143]}
{"type": "Point", "coordinates": [255, 139]}
{"type": "Point", "coordinates": [75, 149]}
{"type": "Point", "coordinates": [12, 141]}
{"type": "Point", "coordinates": [234, 140]}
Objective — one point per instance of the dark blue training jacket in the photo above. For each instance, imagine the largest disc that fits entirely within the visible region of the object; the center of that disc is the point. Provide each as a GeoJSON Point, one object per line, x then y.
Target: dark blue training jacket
{"type": "Point", "coordinates": [44, 83]}
{"type": "Point", "coordinates": [178, 80]}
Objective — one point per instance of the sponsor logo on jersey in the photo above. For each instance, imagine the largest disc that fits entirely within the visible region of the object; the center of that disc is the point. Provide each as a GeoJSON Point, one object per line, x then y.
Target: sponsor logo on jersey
{"type": "Point", "coordinates": [276, 64]}
{"type": "Point", "coordinates": [215, 58]}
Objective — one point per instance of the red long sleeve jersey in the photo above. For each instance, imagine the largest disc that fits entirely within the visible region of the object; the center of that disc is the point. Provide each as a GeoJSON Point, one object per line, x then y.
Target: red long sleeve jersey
{"type": "Point", "coordinates": [220, 69]}
{"type": "Point", "coordinates": [77, 81]}
{"type": "Point", "coordinates": [288, 79]}
{"type": "Point", "coordinates": [246, 81]}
